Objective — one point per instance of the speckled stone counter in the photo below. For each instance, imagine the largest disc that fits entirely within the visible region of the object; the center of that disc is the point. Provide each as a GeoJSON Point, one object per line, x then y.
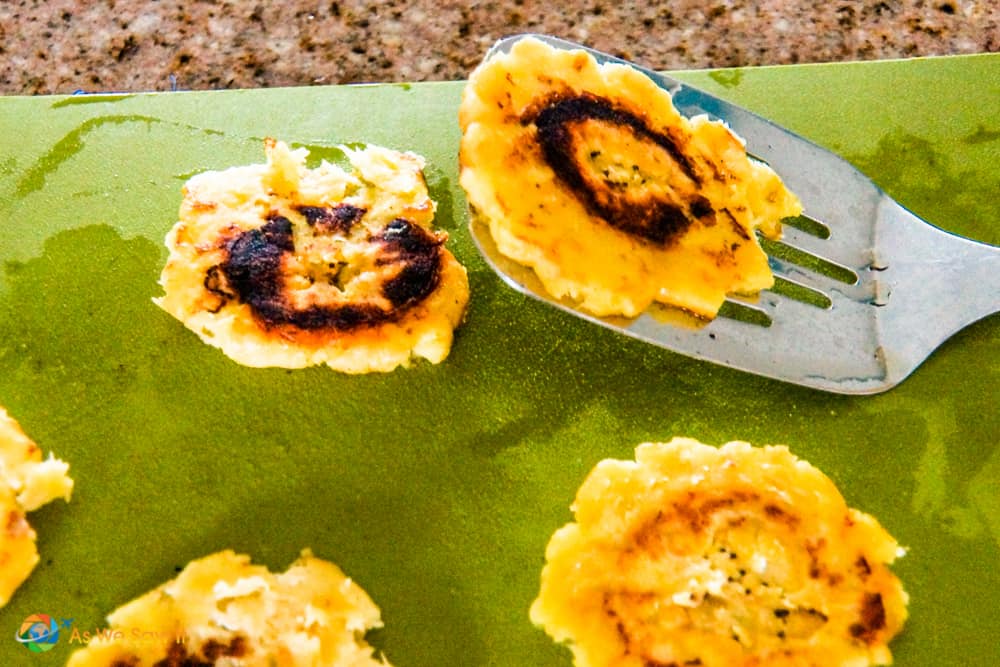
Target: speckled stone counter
{"type": "Point", "coordinates": [63, 46]}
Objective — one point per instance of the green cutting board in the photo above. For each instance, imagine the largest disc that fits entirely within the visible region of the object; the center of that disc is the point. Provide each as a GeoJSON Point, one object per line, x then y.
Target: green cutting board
{"type": "Point", "coordinates": [436, 488]}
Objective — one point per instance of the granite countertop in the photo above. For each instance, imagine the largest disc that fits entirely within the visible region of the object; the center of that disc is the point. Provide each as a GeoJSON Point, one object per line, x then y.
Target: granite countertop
{"type": "Point", "coordinates": [63, 46]}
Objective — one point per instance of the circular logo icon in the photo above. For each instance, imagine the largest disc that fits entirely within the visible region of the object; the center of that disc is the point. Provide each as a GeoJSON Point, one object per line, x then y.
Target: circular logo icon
{"type": "Point", "coordinates": [39, 633]}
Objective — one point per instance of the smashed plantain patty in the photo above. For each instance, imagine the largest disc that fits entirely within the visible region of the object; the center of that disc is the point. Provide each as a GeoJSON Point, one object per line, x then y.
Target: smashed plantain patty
{"type": "Point", "coordinates": [735, 556]}
{"type": "Point", "coordinates": [281, 265]}
{"type": "Point", "coordinates": [589, 175]}
{"type": "Point", "coordinates": [26, 483]}
{"type": "Point", "coordinates": [223, 610]}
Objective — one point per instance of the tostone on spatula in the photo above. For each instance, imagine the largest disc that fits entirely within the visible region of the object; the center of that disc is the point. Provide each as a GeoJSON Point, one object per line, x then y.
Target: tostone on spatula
{"type": "Point", "coordinates": [864, 290]}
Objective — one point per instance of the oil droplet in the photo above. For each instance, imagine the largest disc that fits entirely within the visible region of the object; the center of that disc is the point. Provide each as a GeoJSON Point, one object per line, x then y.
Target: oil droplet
{"type": "Point", "coordinates": [730, 78]}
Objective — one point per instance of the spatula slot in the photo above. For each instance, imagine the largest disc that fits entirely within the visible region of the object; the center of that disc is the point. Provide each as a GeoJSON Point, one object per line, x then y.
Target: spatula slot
{"type": "Point", "coordinates": [741, 312]}
{"type": "Point", "coordinates": [808, 225]}
{"type": "Point", "coordinates": [807, 260]}
{"type": "Point", "coordinates": [799, 292]}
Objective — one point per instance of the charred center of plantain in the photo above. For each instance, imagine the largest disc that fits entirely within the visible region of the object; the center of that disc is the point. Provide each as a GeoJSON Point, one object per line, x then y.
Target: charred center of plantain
{"type": "Point", "coordinates": [626, 173]}
{"type": "Point", "coordinates": [255, 268]}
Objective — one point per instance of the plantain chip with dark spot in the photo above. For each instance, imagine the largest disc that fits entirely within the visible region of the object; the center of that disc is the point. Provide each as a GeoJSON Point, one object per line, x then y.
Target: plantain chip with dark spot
{"type": "Point", "coordinates": [731, 556]}
{"type": "Point", "coordinates": [589, 175]}
{"type": "Point", "coordinates": [281, 265]}
{"type": "Point", "coordinates": [223, 610]}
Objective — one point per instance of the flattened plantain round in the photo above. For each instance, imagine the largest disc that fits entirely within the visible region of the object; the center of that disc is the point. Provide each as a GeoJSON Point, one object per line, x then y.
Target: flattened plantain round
{"type": "Point", "coordinates": [734, 556]}
{"type": "Point", "coordinates": [588, 174]}
{"type": "Point", "coordinates": [281, 265]}
{"type": "Point", "coordinates": [224, 610]}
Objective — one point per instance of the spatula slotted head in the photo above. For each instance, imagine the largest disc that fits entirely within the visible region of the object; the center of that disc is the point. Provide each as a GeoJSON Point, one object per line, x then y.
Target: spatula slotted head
{"type": "Point", "coordinates": [851, 287]}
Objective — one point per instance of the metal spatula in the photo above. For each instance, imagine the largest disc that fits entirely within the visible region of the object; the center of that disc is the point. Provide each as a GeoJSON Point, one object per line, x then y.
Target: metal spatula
{"type": "Point", "coordinates": [865, 290]}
